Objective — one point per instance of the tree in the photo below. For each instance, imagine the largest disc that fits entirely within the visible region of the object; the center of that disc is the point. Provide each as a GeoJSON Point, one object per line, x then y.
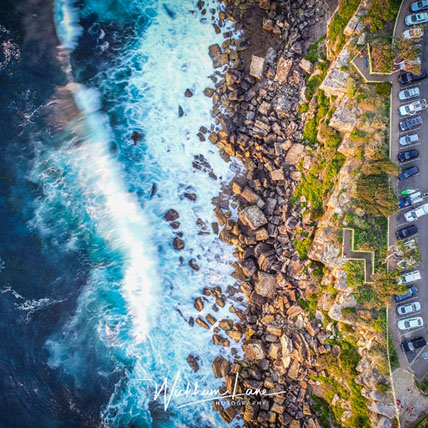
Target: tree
{"type": "Point", "coordinates": [382, 166]}
{"type": "Point", "coordinates": [408, 52]}
{"type": "Point", "coordinates": [382, 56]}
{"type": "Point", "coordinates": [386, 284]}
{"type": "Point", "coordinates": [375, 195]}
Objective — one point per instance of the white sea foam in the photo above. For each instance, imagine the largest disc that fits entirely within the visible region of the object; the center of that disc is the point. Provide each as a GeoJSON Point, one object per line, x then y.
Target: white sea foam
{"type": "Point", "coordinates": [130, 245]}
{"type": "Point", "coordinates": [67, 23]}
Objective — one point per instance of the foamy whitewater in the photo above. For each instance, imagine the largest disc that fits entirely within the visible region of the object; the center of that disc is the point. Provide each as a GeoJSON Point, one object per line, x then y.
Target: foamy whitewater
{"type": "Point", "coordinates": [105, 196]}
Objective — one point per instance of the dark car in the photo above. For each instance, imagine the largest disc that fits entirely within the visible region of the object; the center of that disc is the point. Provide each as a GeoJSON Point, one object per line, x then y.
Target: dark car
{"type": "Point", "coordinates": [405, 202]}
{"type": "Point", "coordinates": [411, 292]}
{"type": "Point", "coordinates": [406, 232]}
{"type": "Point", "coordinates": [411, 123]}
{"type": "Point", "coordinates": [413, 344]}
{"type": "Point", "coordinates": [417, 6]}
{"type": "Point", "coordinates": [408, 172]}
{"type": "Point", "coordinates": [407, 155]}
{"type": "Point", "coordinates": [407, 77]}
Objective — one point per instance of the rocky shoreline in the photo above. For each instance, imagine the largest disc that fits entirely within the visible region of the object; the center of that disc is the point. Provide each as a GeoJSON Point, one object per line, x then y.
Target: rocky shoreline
{"type": "Point", "coordinates": [255, 105]}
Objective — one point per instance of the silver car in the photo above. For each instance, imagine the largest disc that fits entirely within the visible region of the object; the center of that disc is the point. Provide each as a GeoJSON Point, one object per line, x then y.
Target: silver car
{"type": "Point", "coordinates": [409, 323]}
{"type": "Point", "coordinates": [409, 308]}
{"type": "Point", "coordinates": [406, 140]}
{"type": "Point", "coordinates": [407, 94]}
{"type": "Point", "coordinates": [416, 18]}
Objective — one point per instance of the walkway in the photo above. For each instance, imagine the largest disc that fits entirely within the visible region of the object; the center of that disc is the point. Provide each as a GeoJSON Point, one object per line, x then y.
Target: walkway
{"type": "Point", "coordinates": [361, 63]}
{"type": "Point", "coordinates": [349, 253]}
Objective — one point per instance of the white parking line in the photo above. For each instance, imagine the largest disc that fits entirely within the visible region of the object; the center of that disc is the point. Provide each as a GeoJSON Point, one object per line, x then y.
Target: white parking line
{"type": "Point", "coordinates": [419, 353]}
{"type": "Point", "coordinates": [411, 331]}
{"type": "Point", "coordinates": [413, 129]}
{"type": "Point", "coordinates": [407, 161]}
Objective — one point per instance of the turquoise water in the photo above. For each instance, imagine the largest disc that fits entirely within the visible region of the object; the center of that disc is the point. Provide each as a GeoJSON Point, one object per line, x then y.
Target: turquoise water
{"type": "Point", "coordinates": [104, 197]}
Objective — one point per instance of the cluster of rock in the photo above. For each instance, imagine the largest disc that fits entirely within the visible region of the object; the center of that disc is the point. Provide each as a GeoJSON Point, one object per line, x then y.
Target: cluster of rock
{"type": "Point", "coordinates": [255, 103]}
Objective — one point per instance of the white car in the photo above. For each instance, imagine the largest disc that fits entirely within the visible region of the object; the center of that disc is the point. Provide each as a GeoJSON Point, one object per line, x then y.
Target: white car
{"type": "Point", "coordinates": [416, 213]}
{"type": "Point", "coordinates": [409, 323]}
{"type": "Point", "coordinates": [409, 308]}
{"type": "Point", "coordinates": [409, 277]}
{"type": "Point", "coordinates": [407, 94]}
{"type": "Point", "coordinates": [412, 108]}
{"type": "Point", "coordinates": [406, 140]}
{"type": "Point", "coordinates": [416, 18]}
{"type": "Point", "coordinates": [413, 33]}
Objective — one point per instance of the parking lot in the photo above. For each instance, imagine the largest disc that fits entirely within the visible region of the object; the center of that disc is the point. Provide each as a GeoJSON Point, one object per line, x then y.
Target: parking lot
{"type": "Point", "coordinates": [414, 360]}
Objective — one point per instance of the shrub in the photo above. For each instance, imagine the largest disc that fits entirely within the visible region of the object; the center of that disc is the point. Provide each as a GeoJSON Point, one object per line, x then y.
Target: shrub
{"type": "Point", "coordinates": [380, 12]}
{"type": "Point", "coordinates": [382, 56]}
{"type": "Point", "coordinates": [310, 131]}
{"type": "Point", "coordinates": [383, 89]}
{"type": "Point", "coordinates": [302, 247]}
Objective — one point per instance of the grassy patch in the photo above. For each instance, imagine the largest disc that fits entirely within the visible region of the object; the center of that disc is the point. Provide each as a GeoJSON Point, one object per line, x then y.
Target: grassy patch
{"type": "Point", "coordinates": [302, 247]}
{"type": "Point", "coordinates": [393, 356]}
{"type": "Point", "coordinates": [339, 21]}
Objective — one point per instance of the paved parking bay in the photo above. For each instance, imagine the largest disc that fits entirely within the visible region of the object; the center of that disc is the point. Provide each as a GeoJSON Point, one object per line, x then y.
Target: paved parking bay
{"type": "Point", "coordinates": [413, 360]}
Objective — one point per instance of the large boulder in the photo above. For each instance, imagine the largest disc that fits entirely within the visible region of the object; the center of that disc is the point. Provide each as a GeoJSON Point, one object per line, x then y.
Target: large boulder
{"type": "Point", "coordinates": [294, 153]}
{"type": "Point", "coordinates": [257, 66]}
{"type": "Point", "coordinates": [346, 116]}
{"type": "Point", "coordinates": [382, 409]}
{"type": "Point", "coordinates": [265, 285]}
{"type": "Point", "coordinates": [283, 70]}
{"type": "Point", "coordinates": [252, 217]}
{"type": "Point", "coordinates": [335, 82]}
{"type": "Point", "coordinates": [254, 350]}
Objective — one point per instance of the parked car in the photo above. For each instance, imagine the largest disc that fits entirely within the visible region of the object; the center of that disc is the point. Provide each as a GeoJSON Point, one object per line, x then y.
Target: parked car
{"type": "Point", "coordinates": [416, 18]}
{"type": "Point", "coordinates": [409, 323]}
{"type": "Point", "coordinates": [413, 344]}
{"type": "Point", "coordinates": [406, 232]}
{"type": "Point", "coordinates": [416, 213]}
{"type": "Point", "coordinates": [407, 77]}
{"type": "Point", "coordinates": [407, 155]}
{"type": "Point", "coordinates": [411, 123]}
{"type": "Point", "coordinates": [412, 199]}
{"type": "Point", "coordinates": [413, 33]}
{"type": "Point", "coordinates": [411, 292]}
{"type": "Point", "coordinates": [407, 94]}
{"type": "Point", "coordinates": [407, 140]}
{"type": "Point", "coordinates": [417, 6]}
{"type": "Point", "coordinates": [408, 172]}
{"type": "Point", "coordinates": [409, 277]}
{"type": "Point", "coordinates": [409, 308]}
{"type": "Point", "coordinates": [413, 108]}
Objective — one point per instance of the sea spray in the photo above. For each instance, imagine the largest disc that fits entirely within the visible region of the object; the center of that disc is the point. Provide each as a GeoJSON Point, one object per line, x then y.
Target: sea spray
{"type": "Point", "coordinates": [133, 317]}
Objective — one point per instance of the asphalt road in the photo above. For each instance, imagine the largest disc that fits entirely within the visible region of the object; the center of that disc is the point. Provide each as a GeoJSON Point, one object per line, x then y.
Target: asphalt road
{"type": "Point", "coordinates": [414, 361]}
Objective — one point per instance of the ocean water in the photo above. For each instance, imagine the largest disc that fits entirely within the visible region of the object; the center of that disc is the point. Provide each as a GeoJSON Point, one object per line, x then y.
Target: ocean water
{"type": "Point", "coordinates": [98, 304]}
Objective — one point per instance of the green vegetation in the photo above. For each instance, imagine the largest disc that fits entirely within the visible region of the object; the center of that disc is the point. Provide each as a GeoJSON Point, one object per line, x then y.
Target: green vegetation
{"type": "Point", "coordinates": [393, 356]}
{"type": "Point", "coordinates": [422, 424]}
{"type": "Point", "coordinates": [326, 417]}
{"type": "Point", "coordinates": [338, 23]}
{"type": "Point", "coordinates": [422, 385]}
{"type": "Point", "coordinates": [380, 12]}
{"type": "Point", "coordinates": [409, 51]}
{"type": "Point", "coordinates": [314, 52]}
{"type": "Point", "coordinates": [302, 247]}
{"type": "Point", "coordinates": [383, 89]}
{"type": "Point", "coordinates": [382, 55]}
{"type": "Point", "coordinates": [374, 192]}
{"type": "Point", "coordinates": [386, 284]}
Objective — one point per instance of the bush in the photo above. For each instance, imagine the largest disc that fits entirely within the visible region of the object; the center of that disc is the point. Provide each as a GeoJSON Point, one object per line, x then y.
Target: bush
{"type": "Point", "coordinates": [380, 12]}
{"type": "Point", "coordinates": [302, 247]}
{"type": "Point", "coordinates": [382, 56]}
{"type": "Point", "coordinates": [393, 356]}
{"type": "Point", "coordinates": [310, 131]}
{"type": "Point", "coordinates": [383, 89]}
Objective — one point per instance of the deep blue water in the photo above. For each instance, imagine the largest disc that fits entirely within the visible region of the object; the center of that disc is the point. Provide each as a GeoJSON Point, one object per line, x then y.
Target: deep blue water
{"type": "Point", "coordinates": [96, 304]}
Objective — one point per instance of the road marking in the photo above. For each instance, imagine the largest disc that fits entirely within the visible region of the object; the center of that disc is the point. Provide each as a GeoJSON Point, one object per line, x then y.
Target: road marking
{"type": "Point", "coordinates": [407, 161]}
{"type": "Point", "coordinates": [412, 129]}
{"type": "Point", "coordinates": [419, 353]}
{"type": "Point", "coordinates": [411, 331]}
